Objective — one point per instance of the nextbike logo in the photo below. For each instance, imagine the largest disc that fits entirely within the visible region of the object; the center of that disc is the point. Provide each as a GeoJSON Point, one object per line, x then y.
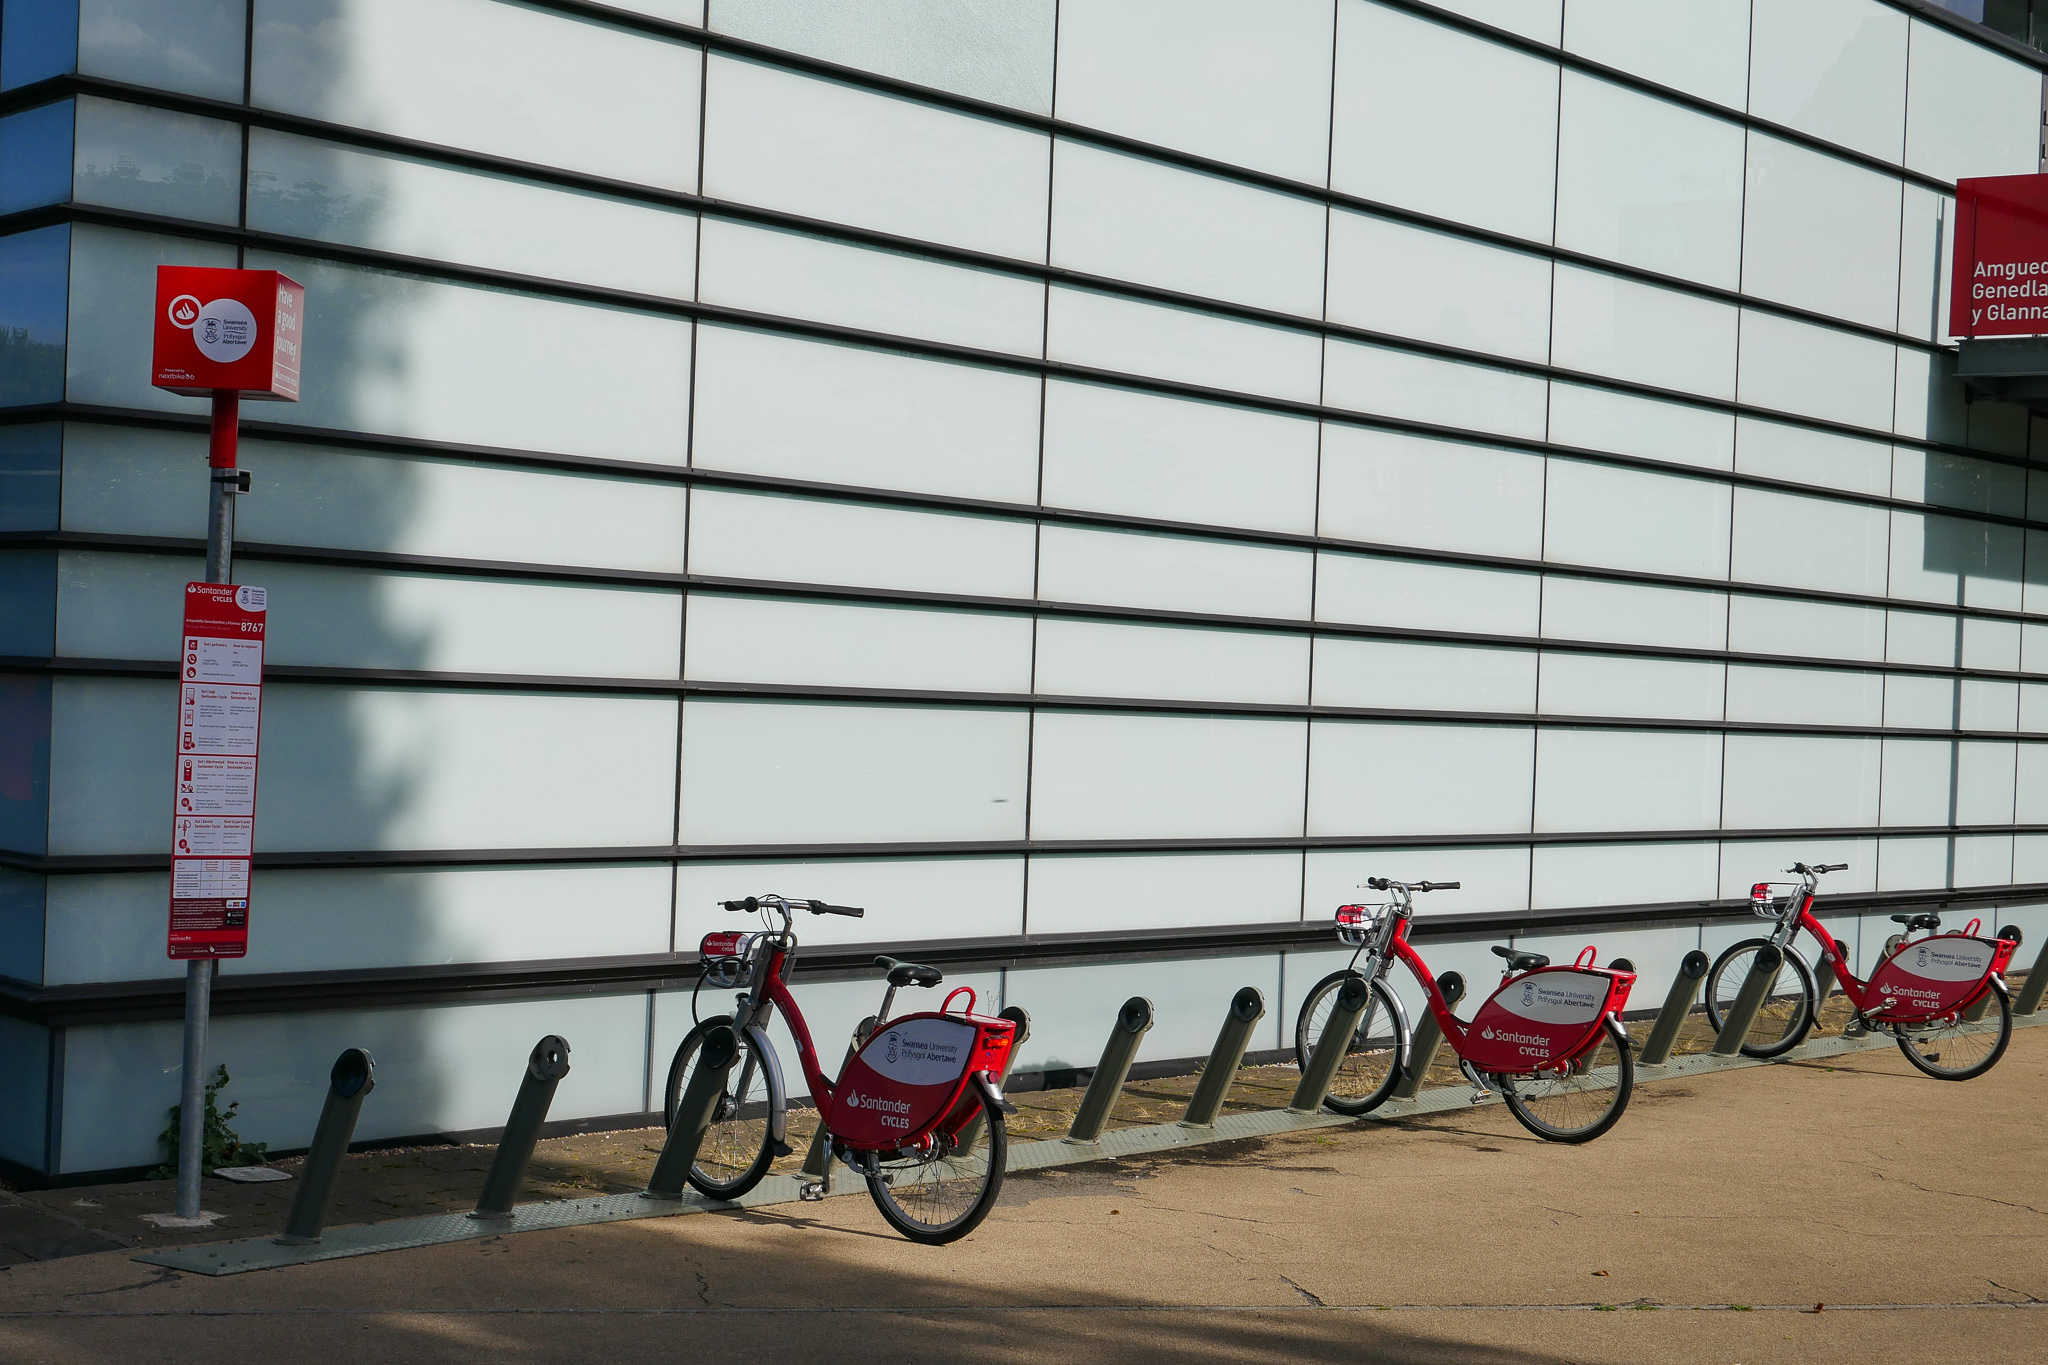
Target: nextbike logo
{"type": "Point", "coordinates": [857, 1101]}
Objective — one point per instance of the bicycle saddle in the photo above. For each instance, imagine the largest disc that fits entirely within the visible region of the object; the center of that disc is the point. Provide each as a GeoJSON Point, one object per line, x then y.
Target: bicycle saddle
{"type": "Point", "coordinates": [909, 973]}
{"type": "Point", "coordinates": [1923, 920]}
{"type": "Point", "coordinates": [1520, 962]}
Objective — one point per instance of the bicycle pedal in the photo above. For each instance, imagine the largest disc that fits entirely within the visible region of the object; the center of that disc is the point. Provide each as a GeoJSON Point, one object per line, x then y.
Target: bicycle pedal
{"type": "Point", "coordinates": [1481, 1096]}
{"type": "Point", "coordinates": [811, 1191]}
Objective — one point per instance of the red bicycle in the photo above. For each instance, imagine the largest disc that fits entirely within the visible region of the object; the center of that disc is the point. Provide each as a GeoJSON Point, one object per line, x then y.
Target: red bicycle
{"type": "Point", "coordinates": [918, 1112]}
{"type": "Point", "coordinates": [1549, 1037]}
{"type": "Point", "coordinates": [1942, 997]}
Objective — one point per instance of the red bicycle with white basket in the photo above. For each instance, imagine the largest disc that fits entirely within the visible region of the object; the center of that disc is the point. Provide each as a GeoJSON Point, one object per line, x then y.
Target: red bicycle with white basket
{"type": "Point", "coordinates": [1942, 997]}
{"type": "Point", "coordinates": [1550, 1038]}
{"type": "Point", "coordinates": [918, 1111]}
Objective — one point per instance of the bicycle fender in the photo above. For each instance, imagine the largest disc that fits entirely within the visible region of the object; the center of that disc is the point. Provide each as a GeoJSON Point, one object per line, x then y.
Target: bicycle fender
{"type": "Point", "coordinates": [778, 1119]}
{"type": "Point", "coordinates": [1401, 1025]}
{"type": "Point", "coordinates": [993, 1093]}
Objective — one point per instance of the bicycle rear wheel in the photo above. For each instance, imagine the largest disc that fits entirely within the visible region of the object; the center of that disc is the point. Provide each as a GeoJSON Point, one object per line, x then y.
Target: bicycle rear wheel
{"type": "Point", "coordinates": [738, 1147]}
{"type": "Point", "coordinates": [1957, 1049]}
{"type": "Point", "coordinates": [941, 1193]}
{"type": "Point", "coordinates": [1581, 1101]}
{"type": "Point", "coordinates": [1786, 1014]}
{"type": "Point", "coordinates": [1372, 1064]}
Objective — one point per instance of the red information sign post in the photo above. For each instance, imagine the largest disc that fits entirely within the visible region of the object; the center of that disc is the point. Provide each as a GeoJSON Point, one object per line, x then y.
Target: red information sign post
{"type": "Point", "coordinates": [1999, 282]}
{"type": "Point", "coordinates": [225, 335]}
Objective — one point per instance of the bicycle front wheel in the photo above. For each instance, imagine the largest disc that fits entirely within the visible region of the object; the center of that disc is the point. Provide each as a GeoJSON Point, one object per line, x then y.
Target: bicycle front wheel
{"type": "Point", "coordinates": [1955, 1048]}
{"type": "Point", "coordinates": [738, 1146]}
{"type": "Point", "coordinates": [941, 1192]}
{"type": "Point", "coordinates": [1581, 1101]}
{"type": "Point", "coordinates": [1372, 1063]}
{"type": "Point", "coordinates": [1787, 1011]}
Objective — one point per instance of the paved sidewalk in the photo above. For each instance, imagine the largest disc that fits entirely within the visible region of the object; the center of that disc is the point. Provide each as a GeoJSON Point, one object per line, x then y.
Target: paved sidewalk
{"type": "Point", "coordinates": [1457, 1239]}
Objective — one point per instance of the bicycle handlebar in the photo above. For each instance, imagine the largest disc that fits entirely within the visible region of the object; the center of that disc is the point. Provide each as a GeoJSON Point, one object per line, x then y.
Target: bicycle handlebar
{"type": "Point", "coordinates": [1383, 883]}
{"type": "Point", "coordinates": [1818, 868]}
{"type": "Point", "coordinates": [752, 903]}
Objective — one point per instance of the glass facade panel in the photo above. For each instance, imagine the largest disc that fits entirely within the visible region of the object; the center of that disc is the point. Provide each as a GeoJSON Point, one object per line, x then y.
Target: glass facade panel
{"type": "Point", "coordinates": [1832, 68]}
{"type": "Point", "coordinates": [1454, 779]}
{"type": "Point", "coordinates": [108, 358]}
{"type": "Point", "coordinates": [1444, 495]}
{"type": "Point", "coordinates": [157, 161]}
{"type": "Point", "coordinates": [1409, 281]}
{"type": "Point", "coordinates": [1173, 573]}
{"type": "Point", "coordinates": [1820, 233]}
{"type": "Point", "coordinates": [1390, 383]}
{"type": "Point", "coordinates": [34, 275]}
{"type": "Point", "coordinates": [1785, 781]}
{"type": "Point", "coordinates": [1493, 879]}
{"type": "Point", "coordinates": [37, 41]}
{"type": "Point", "coordinates": [1107, 775]}
{"type": "Point", "coordinates": [191, 46]}
{"type": "Point", "coordinates": [35, 156]}
{"type": "Point", "coordinates": [800, 540]}
{"type": "Point", "coordinates": [1611, 685]}
{"type": "Point", "coordinates": [1423, 677]}
{"type": "Point", "coordinates": [1374, 591]}
{"type": "Point", "coordinates": [1809, 542]}
{"type": "Point", "coordinates": [1633, 519]}
{"type": "Point", "coordinates": [908, 900]}
{"type": "Point", "coordinates": [1805, 696]}
{"type": "Point", "coordinates": [1778, 625]}
{"type": "Point", "coordinates": [831, 644]}
{"type": "Point", "coordinates": [31, 471]}
{"type": "Point", "coordinates": [1701, 47]}
{"type": "Point", "coordinates": [1103, 332]}
{"type": "Point", "coordinates": [1797, 367]}
{"type": "Point", "coordinates": [1627, 780]}
{"type": "Point", "coordinates": [1622, 874]}
{"type": "Point", "coordinates": [1078, 893]}
{"type": "Point", "coordinates": [1603, 324]}
{"type": "Point", "coordinates": [383, 65]}
{"type": "Point", "coordinates": [1653, 428]}
{"type": "Point", "coordinates": [1778, 450]}
{"type": "Point", "coordinates": [1969, 110]}
{"type": "Point", "coordinates": [1107, 659]}
{"type": "Point", "coordinates": [1632, 614]}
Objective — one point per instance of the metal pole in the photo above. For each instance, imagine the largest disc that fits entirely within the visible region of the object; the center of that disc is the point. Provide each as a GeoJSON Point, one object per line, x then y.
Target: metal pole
{"type": "Point", "coordinates": [545, 1067]}
{"type": "Point", "coordinates": [1133, 1022]}
{"type": "Point", "coordinates": [1247, 1007]}
{"type": "Point", "coordinates": [353, 1077]}
{"type": "Point", "coordinates": [200, 972]}
{"type": "Point", "coordinates": [1331, 1047]}
{"type": "Point", "coordinates": [1429, 1038]}
{"type": "Point", "coordinates": [715, 1056]}
{"type": "Point", "coordinates": [1685, 988]}
{"type": "Point", "coordinates": [2037, 982]}
{"type": "Point", "coordinates": [1763, 970]}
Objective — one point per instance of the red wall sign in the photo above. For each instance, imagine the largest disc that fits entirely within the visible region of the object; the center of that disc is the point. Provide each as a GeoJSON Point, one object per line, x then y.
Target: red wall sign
{"type": "Point", "coordinates": [1999, 287]}
{"type": "Point", "coordinates": [227, 329]}
{"type": "Point", "coordinates": [213, 819]}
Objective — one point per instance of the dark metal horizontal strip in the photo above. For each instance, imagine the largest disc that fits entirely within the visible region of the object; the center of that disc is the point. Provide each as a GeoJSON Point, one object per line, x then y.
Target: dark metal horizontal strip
{"type": "Point", "coordinates": [413, 678]}
{"type": "Point", "coordinates": [70, 864]}
{"type": "Point", "coordinates": [395, 987]}
{"type": "Point", "coordinates": [719, 313]}
{"type": "Point", "coordinates": [1975, 30]}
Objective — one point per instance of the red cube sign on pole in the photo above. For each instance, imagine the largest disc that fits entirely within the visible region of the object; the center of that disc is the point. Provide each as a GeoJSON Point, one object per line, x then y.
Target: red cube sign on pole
{"type": "Point", "coordinates": [232, 330]}
{"type": "Point", "coordinates": [220, 719]}
{"type": "Point", "coordinates": [1999, 282]}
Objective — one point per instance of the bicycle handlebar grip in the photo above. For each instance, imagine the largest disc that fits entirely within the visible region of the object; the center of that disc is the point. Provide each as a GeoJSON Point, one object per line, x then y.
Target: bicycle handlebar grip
{"type": "Point", "coordinates": [750, 903]}
{"type": "Point", "coordinates": [1440, 886]}
{"type": "Point", "coordinates": [1832, 867]}
{"type": "Point", "coordinates": [1376, 883]}
{"type": "Point", "coordinates": [850, 911]}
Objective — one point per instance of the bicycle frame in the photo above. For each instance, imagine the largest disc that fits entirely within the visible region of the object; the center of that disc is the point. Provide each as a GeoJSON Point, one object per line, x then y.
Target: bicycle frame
{"type": "Point", "coordinates": [1798, 915]}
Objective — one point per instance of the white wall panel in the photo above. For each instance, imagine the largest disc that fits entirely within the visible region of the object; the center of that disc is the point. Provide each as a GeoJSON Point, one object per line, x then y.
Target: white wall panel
{"type": "Point", "coordinates": [765, 772]}
{"type": "Point", "coordinates": [1926, 254]}
{"type": "Point", "coordinates": [782, 140]}
{"type": "Point", "coordinates": [1943, 480]}
{"type": "Point", "coordinates": [1391, 383]}
{"type": "Point", "coordinates": [1654, 428]}
{"type": "Point", "coordinates": [1627, 613]}
{"type": "Point", "coordinates": [1606, 325]}
{"type": "Point", "coordinates": [1130, 218]}
{"type": "Point", "coordinates": [1073, 1008]}
{"type": "Point", "coordinates": [1366, 590]}
{"type": "Point", "coordinates": [1627, 780]}
{"type": "Point", "coordinates": [2033, 707]}
{"type": "Point", "coordinates": [1989, 705]}
{"type": "Point", "coordinates": [1985, 782]}
{"type": "Point", "coordinates": [104, 361]}
{"type": "Point", "coordinates": [843, 644]}
{"type": "Point", "coordinates": [1820, 543]}
{"type": "Point", "coordinates": [1786, 781]}
{"type": "Point", "coordinates": [1970, 110]}
{"type": "Point", "coordinates": [1918, 780]}
{"type": "Point", "coordinates": [1118, 450]}
{"type": "Point", "coordinates": [1613, 685]}
{"type": "Point", "coordinates": [1479, 122]}
{"type": "Point", "coordinates": [2031, 785]}
{"type": "Point", "coordinates": [1410, 281]}
{"type": "Point", "coordinates": [1746, 862]}
{"type": "Point", "coordinates": [1389, 778]}
{"type": "Point", "coordinates": [194, 47]}
{"type": "Point", "coordinates": [1088, 893]}
{"type": "Point", "coordinates": [1907, 864]}
{"type": "Point", "coordinates": [1832, 68]}
{"type": "Point", "coordinates": [1112, 659]}
{"type": "Point", "coordinates": [126, 156]}
{"type": "Point", "coordinates": [1779, 450]}
{"type": "Point", "coordinates": [1816, 371]}
{"type": "Point", "coordinates": [1820, 233]}
{"type": "Point", "coordinates": [1572, 875]}
{"type": "Point", "coordinates": [1983, 860]}
{"type": "Point", "coordinates": [1173, 573]}
{"type": "Point", "coordinates": [1915, 701]}
{"type": "Point", "coordinates": [1539, 19]}
{"type": "Point", "coordinates": [1633, 519]}
{"type": "Point", "coordinates": [1493, 879]}
{"type": "Point", "coordinates": [1402, 676]}
{"type": "Point", "coordinates": [802, 409]}
{"type": "Point", "coordinates": [1152, 73]}
{"type": "Point", "coordinates": [800, 540]}
{"type": "Point", "coordinates": [1701, 47]}
{"type": "Point", "coordinates": [1118, 775]}
{"type": "Point", "coordinates": [996, 50]}
{"type": "Point", "coordinates": [1805, 696]}
{"type": "Point", "coordinates": [797, 275]}
{"type": "Point", "coordinates": [1391, 488]}
{"type": "Point", "coordinates": [1915, 637]}
{"type": "Point", "coordinates": [1124, 336]}
{"type": "Point", "coordinates": [1647, 182]}
{"type": "Point", "coordinates": [1949, 560]}
{"type": "Point", "coordinates": [907, 900]}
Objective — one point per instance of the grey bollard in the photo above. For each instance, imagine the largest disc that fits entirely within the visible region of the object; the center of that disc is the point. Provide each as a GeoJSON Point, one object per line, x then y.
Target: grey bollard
{"type": "Point", "coordinates": [1763, 970]}
{"type": "Point", "coordinates": [970, 1131]}
{"type": "Point", "coordinates": [2037, 982]}
{"type": "Point", "coordinates": [715, 1056]}
{"type": "Point", "coordinates": [817, 1164]}
{"type": "Point", "coordinates": [353, 1077]}
{"type": "Point", "coordinates": [1429, 1038]}
{"type": "Point", "coordinates": [1352, 998]}
{"type": "Point", "coordinates": [545, 1067]}
{"type": "Point", "coordinates": [1685, 988]}
{"type": "Point", "coordinates": [1247, 1007]}
{"type": "Point", "coordinates": [1133, 1022]}
{"type": "Point", "coordinates": [1824, 979]}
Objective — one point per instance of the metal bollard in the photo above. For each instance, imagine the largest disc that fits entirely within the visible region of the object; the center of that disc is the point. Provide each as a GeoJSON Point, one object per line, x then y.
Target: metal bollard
{"type": "Point", "coordinates": [353, 1077]}
{"type": "Point", "coordinates": [1685, 988]}
{"type": "Point", "coordinates": [1429, 1038]}
{"type": "Point", "coordinates": [1247, 1007]}
{"type": "Point", "coordinates": [1824, 979]}
{"type": "Point", "coordinates": [1763, 970]}
{"type": "Point", "coordinates": [817, 1164]}
{"type": "Point", "coordinates": [715, 1056]}
{"type": "Point", "coordinates": [1133, 1022]}
{"type": "Point", "coordinates": [2037, 982]}
{"type": "Point", "coordinates": [970, 1131]}
{"type": "Point", "coordinates": [545, 1067]}
{"type": "Point", "coordinates": [1352, 998]}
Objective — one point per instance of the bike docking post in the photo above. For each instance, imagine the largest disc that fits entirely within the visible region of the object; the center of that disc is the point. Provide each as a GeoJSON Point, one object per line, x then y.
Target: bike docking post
{"type": "Point", "coordinates": [1824, 978]}
{"type": "Point", "coordinates": [353, 1077]}
{"type": "Point", "coordinates": [1429, 1038]}
{"type": "Point", "coordinates": [1763, 970]}
{"type": "Point", "coordinates": [1247, 1007]}
{"type": "Point", "coordinates": [970, 1131]}
{"type": "Point", "coordinates": [545, 1067]}
{"type": "Point", "coordinates": [2037, 982]}
{"type": "Point", "coordinates": [1349, 1007]}
{"type": "Point", "coordinates": [1133, 1022]}
{"type": "Point", "coordinates": [1685, 988]}
{"type": "Point", "coordinates": [721, 1048]}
